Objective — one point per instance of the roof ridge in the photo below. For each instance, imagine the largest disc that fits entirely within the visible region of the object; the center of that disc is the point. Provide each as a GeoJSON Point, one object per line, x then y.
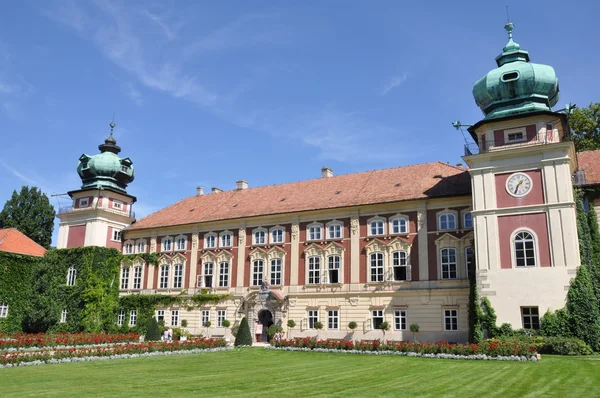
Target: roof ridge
{"type": "Point", "coordinates": [8, 230]}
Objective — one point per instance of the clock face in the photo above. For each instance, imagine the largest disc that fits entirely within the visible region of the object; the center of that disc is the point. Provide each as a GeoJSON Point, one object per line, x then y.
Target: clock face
{"type": "Point", "coordinates": [518, 184]}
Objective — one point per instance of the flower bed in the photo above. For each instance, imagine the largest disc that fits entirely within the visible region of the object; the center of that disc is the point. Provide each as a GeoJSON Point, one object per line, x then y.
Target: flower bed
{"type": "Point", "coordinates": [119, 350]}
{"type": "Point", "coordinates": [64, 339]}
{"type": "Point", "coordinates": [488, 349]}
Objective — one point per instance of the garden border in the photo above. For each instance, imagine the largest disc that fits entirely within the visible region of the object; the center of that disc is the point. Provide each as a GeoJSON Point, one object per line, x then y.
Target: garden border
{"type": "Point", "coordinates": [533, 358]}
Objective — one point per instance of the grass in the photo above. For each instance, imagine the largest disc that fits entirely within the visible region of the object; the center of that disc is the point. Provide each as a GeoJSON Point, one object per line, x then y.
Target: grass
{"type": "Point", "coordinates": [257, 372]}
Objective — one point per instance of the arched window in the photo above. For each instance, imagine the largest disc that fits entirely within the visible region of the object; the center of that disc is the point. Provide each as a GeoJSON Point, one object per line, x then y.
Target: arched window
{"type": "Point", "coordinates": [167, 244]}
{"type": "Point", "coordinates": [71, 276]}
{"type": "Point", "coordinates": [210, 241]}
{"type": "Point", "coordinates": [314, 232]}
{"type": "Point", "coordinates": [334, 230]}
{"type": "Point", "coordinates": [468, 221]}
{"type": "Point", "coordinates": [141, 246]}
{"type": "Point", "coordinates": [524, 246]}
{"type": "Point", "coordinates": [376, 227]}
{"type": "Point", "coordinates": [180, 243]}
{"type": "Point", "coordinates": [399, 225]}
{"type": "Point", "coordinates": [226, 240]}
{"type": "Point", "coordinates": [447, 221]}
{"type": "Point", "coordinates": [260, 237]}
{"type": "Point", "coordinates": [277, 235]}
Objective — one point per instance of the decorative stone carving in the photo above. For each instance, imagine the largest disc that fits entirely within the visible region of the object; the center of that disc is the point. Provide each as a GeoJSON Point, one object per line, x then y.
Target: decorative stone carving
{"type": "Point", "coordinates": [421, 219]}
{"type": "Point", "coordinates": [194, 241]}
{"type": "Point", "coordinates": [152, 245]}
{"type": "Point", "coordinates": [295, 231]}
{"type": "Point", "coordinates": [292, 301]}
{"type": "Point", "coordinates": [242, 236]}
{"type": "Point", "coordinates": [354, 226]}
{"type": "Point", "coordinates": [353, 301]}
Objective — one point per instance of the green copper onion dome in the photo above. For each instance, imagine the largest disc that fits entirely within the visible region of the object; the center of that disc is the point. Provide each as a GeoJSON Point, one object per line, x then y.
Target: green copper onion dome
{"type": "Point", "coordinates": [516, 86]}
{"type": "Point", "coordinates": [106, 169]}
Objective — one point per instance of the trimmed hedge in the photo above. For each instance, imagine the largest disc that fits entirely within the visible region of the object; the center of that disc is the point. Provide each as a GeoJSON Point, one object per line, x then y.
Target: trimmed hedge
{"type": "Point", "coordinates": [551, 345]}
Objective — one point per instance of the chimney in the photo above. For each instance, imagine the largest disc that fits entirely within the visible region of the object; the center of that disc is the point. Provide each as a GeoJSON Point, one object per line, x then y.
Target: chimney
{"type": "Point", "coordinates": [199, 191]}
{"type": "Point", "coordinates": [459, 165]}
{"type": "Point", "coordinates": [241, 184]}
{"type": "Point", "coordinates": [326, 172]}
{"type": "Point", "coordinates": [216, 190]}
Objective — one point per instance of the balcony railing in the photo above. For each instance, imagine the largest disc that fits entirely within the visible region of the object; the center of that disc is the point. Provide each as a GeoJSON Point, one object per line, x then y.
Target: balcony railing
{"type": "Point", "coordinates": [486, 146]}
{"type": "Point", "coordinates": [70, 209]}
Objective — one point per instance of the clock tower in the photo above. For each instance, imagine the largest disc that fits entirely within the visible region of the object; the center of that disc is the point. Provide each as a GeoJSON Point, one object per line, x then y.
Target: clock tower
{"type": "Point", "coordinates": [523, 206]}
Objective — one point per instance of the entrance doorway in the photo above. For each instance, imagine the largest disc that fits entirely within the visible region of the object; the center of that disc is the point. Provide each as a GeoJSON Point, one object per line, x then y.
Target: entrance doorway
{"type": "Point", "coordinates": [265, 318]}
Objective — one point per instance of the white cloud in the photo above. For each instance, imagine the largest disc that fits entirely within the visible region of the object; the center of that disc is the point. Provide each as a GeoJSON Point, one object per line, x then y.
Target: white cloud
{"type": "Point", "coordinates": [134, 94]}
{"type": "Point", "coordinates": [394, 82]}
{"type": "Point", "coordinates": [170, 32]}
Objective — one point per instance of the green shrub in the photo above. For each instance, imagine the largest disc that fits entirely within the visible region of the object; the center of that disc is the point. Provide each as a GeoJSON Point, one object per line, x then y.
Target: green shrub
{"type": "Point", "coordinates": [385, 326]}
{"type": "Point", "coordinates": [318, 325]}
{"type": "Point", "coordinates": [414, 328]}
{"type": "Point", "coordinates": [291, 323]}
{"type": "Point", "coordinates": [152, 330]}
{"type": "Point", "coordinates": [550, 345]}
{"type": "Point", "coordinates": [582, 309]}
{"type": "Point", "coordinates": [243, 337]}
{"type": "Point", "coordinates": [555, 324]}
{"type": "Point", "coordinates": [352, 325]}
{"type": "Point", "coordinates": [226, 323]}
{"type": "Point", "coordinates": [274, 328]}
{"type": "Point", "coordinates": [207, 324]}
{"type": "Point", "coordinates": [184, 323]}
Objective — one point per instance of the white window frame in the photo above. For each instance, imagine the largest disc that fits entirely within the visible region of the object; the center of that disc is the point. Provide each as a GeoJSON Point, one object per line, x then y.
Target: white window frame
{"type": "Point", "coordinates": [530, 316]}
{"type": "Point", "coordinates": [401, 229]}
{"type": "Point", "coordinates": [312, 317]}
{"type": "Point", "coordinates": [380, 229]}
{"type": "Point", "coordinates": [132, 318]}
{"type": "Point", "coordinates": [276, 271]}
{"type": "Point", "coordinates": [208, 266]}
{"type": "Point", "coordinates": [402, 262]}
{"type": "Point", "coordinates": [467, 216]}
{"type": "Point", "coordinates": [178, 276]}
{"type": "Point", "coordinates": [63, 316]}
{"type": "Point", "coordinates": [449, 263]}
{"type": "Point", "coordinates": [335, 224]}
{"type": "Point", "coordinates": [163, 277]}
{"type": "Point", "coordinates": [125, 273]}
{"type": "Point", "coordinates": [314, 232]}
{"type": "Point", "coordinates": [450, 314]}
{"type": "Point", "coordinates": [467, 261]}
{"type": "Point", "coordinates": [314, 270]}
{"type": "Point", "coordinates": [4, 310]}
{"type": "Point", "coordinates": [84, 202]}
{"type": "Point", "coordinates": [140, 246]}
{"type": "Point", "coordinates": [272, 232]}
{"type": "Point", "coordinates": [181, 243]}
{"type": "Point", "coordinates": [333, 318]}
{"type": "Point", "coordinates": [260, 236]}
{"type": "Point", "coordinates": [121, 318]}
{"type": "Point", "coordinates": [224, 275]}
{"type": "Point", "coordinates": [166, 244]}
{"type": "Point", "coordinates": [337, 266]}
{"type": "Point", "coordinates": [441, 222]}
{"type": "Point", "coordinates": [205, 317]}
{"type": "Point", "coordinates": [174, 317]}
{"type": "Point", "coordinates": [225, 239]}
{"type": "Point", "coordinates": [400, 319]}
{"type": "Point", "coordinates": [379, 264]}
{"type": "Point", "coordinates": [377, 314]}
{"type": "Point", "coordinates": [210, 240]}
{"type": "Point", "coordinates": [513, 248]}
{"type": "Point", "coordinates": [128, 247]}
{"type": "Point", "coordinates": [258, 276]}
{"type": "Point", "coordinates": [116, 235]}
{"type": "Point", "coordinates": [221, 316]}
{"type": "Point", "coordinates": [71, 276]}
{"type": "Point", "coordinates": [160, 315]}
{"type": "Point", "coordinates": [117, 204]}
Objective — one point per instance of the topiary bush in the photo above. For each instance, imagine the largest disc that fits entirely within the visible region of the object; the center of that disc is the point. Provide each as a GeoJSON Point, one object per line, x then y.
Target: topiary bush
{"type": "Point", "coordinates": [555, 324]}
{"type": "Point", "coordinates": [291, 323]}
{"type": "Point", "coordinates": [226, 323]}
{"type": "Point", "coordinates": [274, 328]}
{"type": "Point", "coordinates": [243, 337]}
{"type": "Point", "coordinates": [352, 325]}
{"type": "Point", "coordinates": [184, 323]}
{"type": "Point", "coordinates": [152, 330]}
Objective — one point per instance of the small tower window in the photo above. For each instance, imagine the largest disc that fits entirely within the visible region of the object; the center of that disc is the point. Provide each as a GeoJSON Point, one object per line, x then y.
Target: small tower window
{"type": "Point", "coordinates": [510, 76]}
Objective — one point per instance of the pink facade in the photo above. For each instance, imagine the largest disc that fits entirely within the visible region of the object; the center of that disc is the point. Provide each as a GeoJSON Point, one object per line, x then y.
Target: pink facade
{"type": "Point", "coordinates": [110, 243]}
{"type": "Point", "coordinates": [535, 197]}
{"type": "Point", "coordinates": [530, 131]}
{"type": "Point", "coordinates": [508, 225]}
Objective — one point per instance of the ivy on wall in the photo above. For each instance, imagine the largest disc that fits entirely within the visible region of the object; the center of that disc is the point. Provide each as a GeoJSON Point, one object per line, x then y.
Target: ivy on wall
{"type": "Point", "coordinates": [16, 282]}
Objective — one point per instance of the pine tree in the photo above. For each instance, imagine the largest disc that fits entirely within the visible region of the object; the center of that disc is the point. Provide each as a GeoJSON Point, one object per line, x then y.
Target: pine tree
{"type": "Point", "coordinates": [243, 338]}
{"type": "Point", "coordinates": [583, 231]}
{"type": "Point", "coordinates": [31, 213]}
{"type": "Point", "coordinates": [582, 309]}
{"type": "Point", "coordinates": [152, 331]}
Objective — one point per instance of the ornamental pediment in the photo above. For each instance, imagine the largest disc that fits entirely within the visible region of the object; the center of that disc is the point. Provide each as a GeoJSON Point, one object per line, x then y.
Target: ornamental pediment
{"type": "Point", "coordinates": [276, 252]}
{"type": "Point", "coordinates": [398, 244]}
{"type": "Point", "coordinates": [178, 258]}
{"type": "Point", "coordinates": [258, 254]}
{"type": "Point", "coordinates": [313, 250]}
{"type": "Point", "coordinates": [447, 240]}
{"type": "Point", "coordinates": [208, 257]}
{"type": "Point", "coordinates": [224, 256]}
{"type": "Point", "coordinates": [376, 246]}
{"type": "Point", "coordinates": [333, 248]}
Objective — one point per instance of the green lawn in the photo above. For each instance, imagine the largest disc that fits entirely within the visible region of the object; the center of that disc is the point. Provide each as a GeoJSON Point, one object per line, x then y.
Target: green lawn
{"type": "Point", "coordinates": [258, 372]}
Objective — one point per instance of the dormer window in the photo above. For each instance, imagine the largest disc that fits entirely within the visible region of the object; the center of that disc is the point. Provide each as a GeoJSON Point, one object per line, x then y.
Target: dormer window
{"type": "Point", "coordinates": [117, 205]}
{"type": "Point", "coordinates": [84, 202]}
{"type": "Point", "coordinates": [259, 237]}
{"type": "Point", "coordinates": [515, 135]}
{"type": "Point", "coordinates": [210, 241]}
{"type": "Point", "coordinates": [124, 169]}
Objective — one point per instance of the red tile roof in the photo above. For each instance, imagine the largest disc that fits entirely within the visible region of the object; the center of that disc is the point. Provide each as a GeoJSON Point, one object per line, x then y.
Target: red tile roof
{"type": "Point", "coordinates": [422, 181]}
{"type": "Point", "coordinates": [13, 241]}
{"type": "Point", "coordinates": [589, 161]}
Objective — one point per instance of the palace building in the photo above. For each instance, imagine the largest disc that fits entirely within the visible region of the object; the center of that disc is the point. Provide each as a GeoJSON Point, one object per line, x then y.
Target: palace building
{"type": "Point", "coordinates": [391, 245]}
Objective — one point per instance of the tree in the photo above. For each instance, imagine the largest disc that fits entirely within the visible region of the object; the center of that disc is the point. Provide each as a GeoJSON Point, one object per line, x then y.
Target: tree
{"type": "Point", "coordinates": [414, 328]}
{"type": "Point", "coordinates": [384, 326]}
{"type": "Point", "coordinates": [582, 309]}
{"type": "Point", "coordinates": [31, 213]}
{"type": "Point", "coordinates": [152, 330]}
{"type": "Point", "coordinates": [291, 324]}
{"type": "Point", "coordinates": [243, 338]}
{"type": "Point", "coordinates": [585, 127]}
{"type": "Point", "coordinates": [583, 230]}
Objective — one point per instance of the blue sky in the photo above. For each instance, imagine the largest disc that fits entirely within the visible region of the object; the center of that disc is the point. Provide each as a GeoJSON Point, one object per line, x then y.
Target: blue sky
{"type": "Point", "coordinates": [206, 93]}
